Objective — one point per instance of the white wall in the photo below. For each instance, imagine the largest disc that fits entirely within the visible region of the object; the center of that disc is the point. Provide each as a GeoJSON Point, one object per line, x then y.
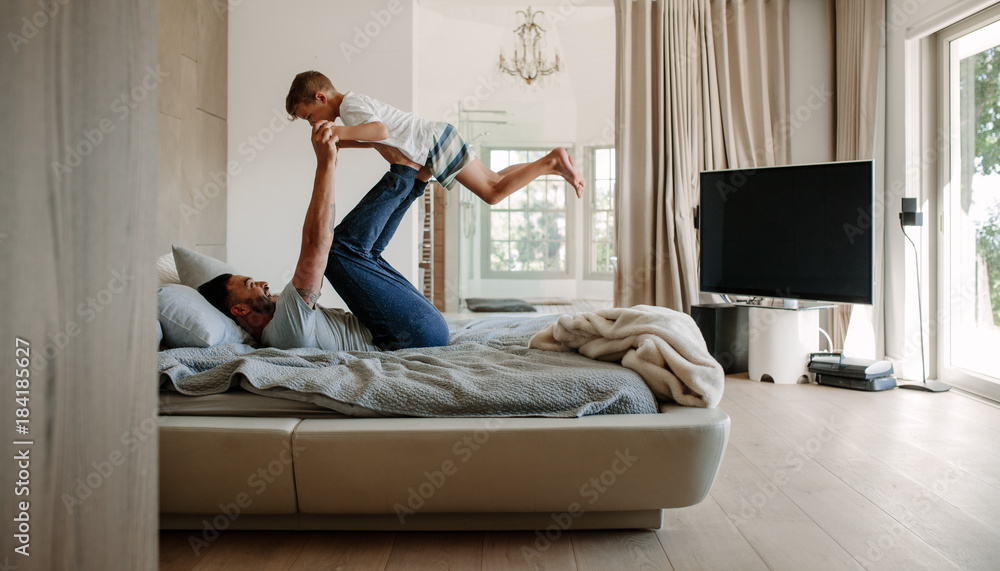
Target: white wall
{"type": "Point", "coordinates": [361, 46]}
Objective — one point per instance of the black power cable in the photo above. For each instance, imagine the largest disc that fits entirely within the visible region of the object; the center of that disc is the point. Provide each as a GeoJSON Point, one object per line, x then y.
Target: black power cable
{"type": "Point", "coordinates": [914, 218]}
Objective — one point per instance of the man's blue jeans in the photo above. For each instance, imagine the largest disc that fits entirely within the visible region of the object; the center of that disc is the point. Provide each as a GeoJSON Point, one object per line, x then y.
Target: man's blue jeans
{"type": "Point", "coordinates": [395, 312]}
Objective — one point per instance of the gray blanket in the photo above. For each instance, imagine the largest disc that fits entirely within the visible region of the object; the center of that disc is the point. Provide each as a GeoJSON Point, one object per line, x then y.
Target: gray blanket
{"type": "Point", "coordinates": [487, 370]}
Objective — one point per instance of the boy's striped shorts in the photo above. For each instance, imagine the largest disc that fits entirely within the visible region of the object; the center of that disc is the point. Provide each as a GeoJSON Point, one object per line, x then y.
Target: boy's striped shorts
{"type": "Point", "coordinates": [448, 155]}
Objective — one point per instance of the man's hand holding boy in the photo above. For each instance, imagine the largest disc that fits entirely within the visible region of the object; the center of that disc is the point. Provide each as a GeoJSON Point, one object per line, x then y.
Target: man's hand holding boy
{"type": "Point", "coordinates": [324, 140]}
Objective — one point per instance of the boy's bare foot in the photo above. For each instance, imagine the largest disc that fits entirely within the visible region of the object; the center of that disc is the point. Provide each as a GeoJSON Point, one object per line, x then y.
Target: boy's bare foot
{"type": "Point", "coordinates": [567, 169]}
{"type": "Point", "coordinates": [583, 183]}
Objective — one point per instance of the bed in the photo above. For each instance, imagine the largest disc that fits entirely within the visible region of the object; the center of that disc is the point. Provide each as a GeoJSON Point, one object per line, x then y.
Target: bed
{"type": "Point", "coordinates": [579, 443]}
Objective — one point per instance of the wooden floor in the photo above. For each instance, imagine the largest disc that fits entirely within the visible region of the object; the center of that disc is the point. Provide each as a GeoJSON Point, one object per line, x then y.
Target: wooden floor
{"type": "Point", "coordinates": [813, 478]}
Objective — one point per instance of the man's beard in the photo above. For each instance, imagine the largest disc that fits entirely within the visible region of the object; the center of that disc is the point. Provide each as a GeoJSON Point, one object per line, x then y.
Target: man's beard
{"type": "Point", "coordinates": [264, 305]}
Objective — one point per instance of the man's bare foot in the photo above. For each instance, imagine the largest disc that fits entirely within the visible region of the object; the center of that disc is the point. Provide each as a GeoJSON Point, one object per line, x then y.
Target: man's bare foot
{"type": "Point", "coordinates": [567, 169]}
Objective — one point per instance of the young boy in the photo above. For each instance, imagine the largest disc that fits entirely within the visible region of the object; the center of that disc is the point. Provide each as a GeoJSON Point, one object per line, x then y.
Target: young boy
{"type": "Point", "coordinates": [437, 146]}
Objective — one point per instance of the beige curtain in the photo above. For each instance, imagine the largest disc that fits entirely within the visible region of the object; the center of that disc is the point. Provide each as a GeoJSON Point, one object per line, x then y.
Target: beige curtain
{"type": "Point", "coordinates": [751, 54]}
{"type": "Point", "coordinates": [701, 85]}
{"type": "Point", "coordinates": [857, 43]}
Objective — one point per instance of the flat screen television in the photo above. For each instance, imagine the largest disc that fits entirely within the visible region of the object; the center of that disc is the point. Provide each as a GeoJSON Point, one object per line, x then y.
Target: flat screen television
{"type": "Point", "coordinates": [801, 232]}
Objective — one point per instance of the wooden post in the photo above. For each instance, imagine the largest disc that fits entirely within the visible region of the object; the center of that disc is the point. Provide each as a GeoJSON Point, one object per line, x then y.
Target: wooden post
{"type": "Point", "coordinates": [78, 176]}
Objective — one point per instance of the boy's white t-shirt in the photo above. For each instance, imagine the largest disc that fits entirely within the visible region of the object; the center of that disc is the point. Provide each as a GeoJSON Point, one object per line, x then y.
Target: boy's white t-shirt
{"type": "Point", "coordinates": [407, 132]}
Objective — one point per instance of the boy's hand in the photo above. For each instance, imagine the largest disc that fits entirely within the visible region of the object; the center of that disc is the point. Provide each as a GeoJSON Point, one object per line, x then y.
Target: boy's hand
{"type": "Point", "coordinates": [324, 140]}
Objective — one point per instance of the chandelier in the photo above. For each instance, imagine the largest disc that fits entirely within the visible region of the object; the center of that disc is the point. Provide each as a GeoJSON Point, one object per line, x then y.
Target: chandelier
{"type": "Point", "coordinates": [528, 62]}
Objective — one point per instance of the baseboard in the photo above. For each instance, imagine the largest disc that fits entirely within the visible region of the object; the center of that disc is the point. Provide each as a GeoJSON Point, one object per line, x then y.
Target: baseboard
{"type": "Point", "coordinates": [211, 524]}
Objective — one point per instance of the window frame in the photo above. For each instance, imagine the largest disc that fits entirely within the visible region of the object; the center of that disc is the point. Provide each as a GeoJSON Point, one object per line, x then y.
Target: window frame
{"type": "Point", "coordinates": [590, 164]}
{"type": "Point", "coordinates": [940, 240]}
{"type": "Point", "coordinates": [486, 271]}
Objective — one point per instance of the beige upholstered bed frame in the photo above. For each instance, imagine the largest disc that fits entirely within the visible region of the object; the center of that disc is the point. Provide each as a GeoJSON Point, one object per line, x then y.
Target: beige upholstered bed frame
{"type": "Point", "coordinates": [608, 471]}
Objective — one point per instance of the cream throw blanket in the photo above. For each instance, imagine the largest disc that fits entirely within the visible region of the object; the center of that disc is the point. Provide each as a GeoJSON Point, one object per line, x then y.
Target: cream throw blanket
{"type": "Point", "coordinates": [665, 347]}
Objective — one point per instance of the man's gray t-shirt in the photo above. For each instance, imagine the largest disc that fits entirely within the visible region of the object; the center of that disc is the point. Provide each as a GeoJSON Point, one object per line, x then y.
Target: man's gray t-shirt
{"type": "Point", "coordinates": [295, 325]}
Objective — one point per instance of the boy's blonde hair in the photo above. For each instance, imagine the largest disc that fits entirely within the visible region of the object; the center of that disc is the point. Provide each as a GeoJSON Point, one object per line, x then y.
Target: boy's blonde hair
{"type": "Point", "coordinates": [304, 88]}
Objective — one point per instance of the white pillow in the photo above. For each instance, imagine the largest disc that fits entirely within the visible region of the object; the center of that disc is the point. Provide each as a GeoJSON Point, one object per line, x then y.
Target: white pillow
{"type": "Point", "coordinates": [195, 269]}
{"type": "Point", "coordinates": [189, 320]}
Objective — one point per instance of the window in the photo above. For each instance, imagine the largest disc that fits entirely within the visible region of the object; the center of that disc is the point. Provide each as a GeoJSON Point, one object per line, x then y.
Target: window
{"type": "Point", "coordinates": [600, 212]}
{"type": "Point", "coordinates": [970, 53]}
{"type": "Point", "coordinates": [526, 232]}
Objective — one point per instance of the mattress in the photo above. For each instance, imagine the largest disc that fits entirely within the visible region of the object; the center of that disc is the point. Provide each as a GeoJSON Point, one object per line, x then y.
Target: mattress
{"type": "Point", "coordinates": [238, 402]}
{"type": "Point", "coordinates": [471, 377]}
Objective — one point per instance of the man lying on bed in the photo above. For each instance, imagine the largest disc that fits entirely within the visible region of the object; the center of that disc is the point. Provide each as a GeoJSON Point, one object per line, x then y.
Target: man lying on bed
{"type": "Point", "coordinates": [388, 312]}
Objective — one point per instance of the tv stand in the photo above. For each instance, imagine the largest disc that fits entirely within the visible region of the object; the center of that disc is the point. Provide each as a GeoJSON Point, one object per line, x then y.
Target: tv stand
{"type": "Point", "coordinates": [780, 341]}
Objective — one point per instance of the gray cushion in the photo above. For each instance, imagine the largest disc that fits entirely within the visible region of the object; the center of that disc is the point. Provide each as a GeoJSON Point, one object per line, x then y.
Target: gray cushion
{"type": "Point", "coordinates": [194, 268]}
{"type": "Point", "coordinates": [483, 304]}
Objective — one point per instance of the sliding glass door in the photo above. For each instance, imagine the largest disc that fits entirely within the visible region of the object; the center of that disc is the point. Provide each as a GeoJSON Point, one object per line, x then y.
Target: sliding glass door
{"type": "Point", "coordinates": [969, 327]}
